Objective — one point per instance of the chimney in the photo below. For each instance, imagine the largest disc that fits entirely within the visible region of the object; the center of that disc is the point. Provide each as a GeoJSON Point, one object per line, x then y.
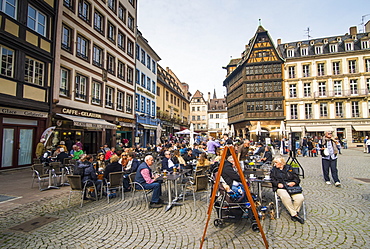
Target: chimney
{"type": "Point", "coordinates": [367, 26]}
{"type": "Point", "coordinates": [209, 96]}
{"type": "Point", "coordinates": [278, 41]}
{"type": "Point", "coordinates": [353, 30]}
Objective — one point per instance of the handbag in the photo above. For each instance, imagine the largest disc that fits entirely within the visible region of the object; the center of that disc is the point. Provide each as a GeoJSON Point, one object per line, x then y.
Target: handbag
{"type": "Point", "coordinates": [294, 190]}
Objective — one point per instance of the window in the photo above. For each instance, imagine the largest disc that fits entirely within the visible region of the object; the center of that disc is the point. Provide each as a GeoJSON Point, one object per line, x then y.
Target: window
{"type": "Point", "coordinates": [109, 92]}
{"type": "Point", "coordinates": [130, 74]}
{"type": "Point", "coordinates": [153, 87]}
{"type": "Point", "coordinates": [143, 56]}
{"type": "Point", "coordinates": [130, 22]}
{"type": "Point", "coordinates": [111, 64]}
{"type": "Point", "coordinates": [137, 77]}
{"type": "Point", "coordinates": [352, 66]}
{"type": "Point", "coordinates": [368, 84]}
{"type": "Point", "coordinates": [98, 22]}
{"type": "Point", "coordinates": [80, 87]}
{"type": "Point", "coordinates": [68, 4]}
{"type": "Point", "coordinates": [320, 69]}
{"type": "Point", "coordinates": [142, 104]}
{"type": "Point", "coordinates": [323, 109]}
{"type": "Point", "coordinates": [66, 38]}
{"type": "Point", "coordinates": [198, 117]}
{"type": "Point", "coordinates": [293, 91]}
{"type": "Point", "coordinates": [137, 52]}
{"type": "Point", "coordinates": [355, 109]}
{"type": "Point", "coordinates": [339, 109]}
{"type": "Point", "coordinates": [198, 109]}
{"type": "Point", "coordinates": [304, 51]}
{"type": "Point", "coordinates": [290, 53]}
{"type": "Point", "coordinates": [36, 20]}
{"type": "Point", "coordinates": [210, 115]}
{"type": "Point", "coordinates": [318, 50]}
{"type": "Point", "coordinates": [217, 125]}
{"type": "Point", "coordinates": [294, 111]}
{"type": "Point", "coordinates": [308, 110]}
{"type": "Point", "coordinates": [153, 108]}
{"type": "Point", "coordinates": [148, 61]}
{"type": "Point", "coordinates": [82, 47]}
{"type": "Point", "coordinates": [132, 3]}
{"type": "Point", "coordinates": [143, 78]}
{"type": "Point", "coordinates": [153, 66]}
{"type": "Point", "coordinates": [306, 70]}
{"type": "Point", "coordinates": [128, 103]}
{"type": "Point", "coordinates": [96, 93]}
{"type": "Point", "coordinates": [148, 106]}
{"type": "Point", "coordinates": [333, 48]}
{"type": "Point", "coordinates": [322, 89]}
{"type": "Point", "coordinates": [307, 90]}
{"type": "Point", "coordinates": [336, 67]}
{"type": "Point", "coordinates": [204, 109]}
{"type": "Point", "coordinates": [349, 46]}
{"type": "Point", "coordinates": [97, 56]}
{"type": "Point", "coordinates": [9, 7]}
{"type": "Point", "coordinates": [34, 71]}
{"type": "Point", "coordinates": [111, 32]}
{"type": "Point", "coordinates": [365, 44]}
{"type": "Point", "coordinates": [7, 61]}
{"type": "Point", "coordinates": [112, 5]}
{"type": "Point", "coordinates": [130, 48]}
{"type": "Point", "coordinates": [121, 70]}
{"type": "Point", "coordinates": [217, 115]}
{"type": "Point", "coordinates": [148, 81]}
{"type": "Point", "coordinates": [84, 10]}
{"type": "Point", "coordinates": [167, 96]}
{"type": "Point", "coordinates": [367, 65]}
{"type": "Point", "coordinates": [137, 102]}
{"type": "Point", "coordinates": [337, 87]}
{"type": "Point", "coordinates": [122, 13]}
{"type": "Point", "coordinates": [204, 117]}
{"type": "Point", "coordinates": [353, 87]}
{"type": "Point", "coordinates": [193, 118]}
{"type": "Point", "coordinates": [121, 41]}
{"type": "Point", "coordinates": [120, 98]}
{"type": "Point", "coordinates": [291, 72]}
{"type": "Point", "coordinates": [158, 91]}
{"type": "Point", "coordinates": [171, 98]}
{"type": "Point", "coordinates": [64, 82]}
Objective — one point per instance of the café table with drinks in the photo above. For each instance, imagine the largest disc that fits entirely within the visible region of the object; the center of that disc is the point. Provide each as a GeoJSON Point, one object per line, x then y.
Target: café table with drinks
{"type": "Point", "coordinates": [257, 177]}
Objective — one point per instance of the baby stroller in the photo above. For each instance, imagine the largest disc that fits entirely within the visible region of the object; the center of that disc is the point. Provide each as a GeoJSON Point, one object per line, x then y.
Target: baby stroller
{"type": "Point", "coordinates": [228, 206]}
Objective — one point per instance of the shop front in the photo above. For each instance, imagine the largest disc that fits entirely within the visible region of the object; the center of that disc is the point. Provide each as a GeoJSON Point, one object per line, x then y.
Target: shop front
{"type": "Point", "coordinates": [20, 131]}
{"type": "Point", "coordinates": [125, 131]}
{"type": "Point", "coordinates": [146, 130]}
{"type": "Point", "coordinates": [92, 129]}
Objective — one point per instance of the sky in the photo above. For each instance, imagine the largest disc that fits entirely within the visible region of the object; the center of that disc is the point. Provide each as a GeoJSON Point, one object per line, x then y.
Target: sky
{"type": "Point", "coordinates": [196, 38]}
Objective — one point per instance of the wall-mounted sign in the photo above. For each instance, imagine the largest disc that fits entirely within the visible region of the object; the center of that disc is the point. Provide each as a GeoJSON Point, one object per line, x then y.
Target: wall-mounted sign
{"type": "Point", "coordinates": [12, 111]}
{"type": "Point", "coordinates": [80, 113]}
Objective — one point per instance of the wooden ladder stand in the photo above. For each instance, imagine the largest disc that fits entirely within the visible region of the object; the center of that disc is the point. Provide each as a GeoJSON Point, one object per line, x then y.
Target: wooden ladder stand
{"type": "Point", "coordinates": [249, 196]}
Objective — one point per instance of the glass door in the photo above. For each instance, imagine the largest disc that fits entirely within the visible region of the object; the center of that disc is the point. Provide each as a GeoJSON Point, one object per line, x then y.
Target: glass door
{"type": "Point", "coordinates": [25, 146]}
{"type": "Point", "coordinates": [8, 147]}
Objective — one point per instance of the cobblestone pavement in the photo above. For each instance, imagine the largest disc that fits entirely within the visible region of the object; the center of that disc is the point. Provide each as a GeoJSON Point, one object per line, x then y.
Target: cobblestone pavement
{"type": "Point", "coordinates": [337, 218]}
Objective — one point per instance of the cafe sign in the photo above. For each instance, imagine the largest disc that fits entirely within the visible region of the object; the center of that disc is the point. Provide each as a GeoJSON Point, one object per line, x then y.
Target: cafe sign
{"type": "Point", "coordinates": [12, 111]}
{"type": "Point", "coordinates": [80, 113]}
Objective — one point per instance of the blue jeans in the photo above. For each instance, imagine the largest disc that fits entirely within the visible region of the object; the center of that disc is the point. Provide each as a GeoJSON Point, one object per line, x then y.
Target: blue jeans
{"type": "Point", "coordinates": [304, 150]}
{"type": "Point", "coordinates": [157, 190]}
{"type": "Point", "coordinates": [332, 166]}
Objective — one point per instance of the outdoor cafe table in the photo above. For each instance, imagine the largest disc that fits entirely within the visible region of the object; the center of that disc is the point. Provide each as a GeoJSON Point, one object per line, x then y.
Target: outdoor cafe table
{"type": "Point", "coordinates": [50, 179]}
{"type": "Point", "coordinates": [258, 179]}
{"type": "Point", "coordinates": [172, 177]}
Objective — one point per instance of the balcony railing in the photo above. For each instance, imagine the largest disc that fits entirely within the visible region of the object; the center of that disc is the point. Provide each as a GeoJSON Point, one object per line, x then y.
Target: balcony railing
{"type": "Point", "coordinates": [342, 93]}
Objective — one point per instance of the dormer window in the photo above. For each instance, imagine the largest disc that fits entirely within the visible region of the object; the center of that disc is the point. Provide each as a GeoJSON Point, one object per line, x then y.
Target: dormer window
{"type": "Point", "coordinates": [312, 43]}
{"type": "Point", "coordinates": [349, 46]}
{"type": "Point", "coordinates": [290, 53]}
{"type": "Point", "coordinates": [304, 51]}
{"type": "Point", "coordinates": [318, 50]}
{"type": "Point", "coordinates": [325, 41]}
{"type": "Point", "coordinates": [365, 44]}
{"type": "Point", "coordinates": [339, 39]}
{"type": "Point", "coordinates": [333, 48]}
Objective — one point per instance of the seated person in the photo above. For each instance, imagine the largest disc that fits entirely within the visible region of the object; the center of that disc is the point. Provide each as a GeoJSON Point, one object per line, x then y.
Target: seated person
{"type": "Point", "coordinates": [203, 164]}
{"type": "Point", "coordinates": [282, 175]}
{"type": "Point", "coordinates": [88, 173]}
{"type": "Point", "coordinates": [100, 162]}
{"type": "Point", "coordinates": [267, 156]}
{"type": "Point", "coordinates": [132, 163]}
{"type": "Point", "coordinates": [178, 160]}
{"type": "Point", "coordinates": [113, 166]}
{"type": "Point", "coordinates": [259, 150]}
{"type": "Point", "coordinates": [183, 150]}
{"type": "Point", "coordinates": [167, 162]}
{"type": "Point", "coordinates": [62, 154]}
{"type": "Point", "coordinates": [196, 151]}
{"type": "Point", "coordinates": [189, 156]}
{"type": "Point", "coordinates": [145, 177]}
{"type": "Point", "coordinates": [231, 178]}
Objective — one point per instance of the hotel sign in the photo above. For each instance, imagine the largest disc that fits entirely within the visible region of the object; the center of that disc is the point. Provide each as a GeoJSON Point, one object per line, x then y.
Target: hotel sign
{"type": "Point", "coordinates": [12, 111]}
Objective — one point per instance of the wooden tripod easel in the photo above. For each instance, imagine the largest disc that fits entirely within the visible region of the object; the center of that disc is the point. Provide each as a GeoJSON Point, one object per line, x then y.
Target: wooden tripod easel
{"type": "Point", "coordinates": [249, 196]}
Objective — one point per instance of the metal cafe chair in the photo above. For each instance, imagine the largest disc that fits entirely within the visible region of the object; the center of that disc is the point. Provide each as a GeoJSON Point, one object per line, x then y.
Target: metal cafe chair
{"type": "Point", "coordinates": [77, 186]}
{"type": "Point", "coordinates": [39, 174]}
{"type": "Point", "coordinates": [115, 182]}
{"type": "Point", "coordinates": [135, 186]}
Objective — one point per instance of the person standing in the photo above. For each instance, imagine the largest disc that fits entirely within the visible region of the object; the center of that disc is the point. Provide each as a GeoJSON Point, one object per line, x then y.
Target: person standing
{"type": "Point", "coordinates": [211, 147]}
{"type": "Point", "coordinates": [243, 153]}
{"type": "Point", "coordinates": [40, 148]}
{"type": "Point", "coordinates": [304, 147]}
{"type": "Point", "coordinates": [345, 141]}
{"type": "Point", "coordinates": [365, 147]}
{"type": "Point", "coordinates": [329, 152]}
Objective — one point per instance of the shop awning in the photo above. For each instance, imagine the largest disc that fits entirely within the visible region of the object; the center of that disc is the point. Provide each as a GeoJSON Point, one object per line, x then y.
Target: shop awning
{"type": "Point", "coordinates": [89, 122]}
{"type": "Point", "coordinates": [319, 128]}
{"type": "Point", "coordinates": [295, 128]}
{"type": "Point", "coordinates": [149, 127]}
{"type": "Point", "coordinates": [361, 127]}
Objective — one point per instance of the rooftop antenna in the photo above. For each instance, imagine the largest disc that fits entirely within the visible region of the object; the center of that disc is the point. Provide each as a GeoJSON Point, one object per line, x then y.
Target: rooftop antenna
{"type": "Point", "coordinates": [308, 33]}
{"type": "Point", "coordinates": [363, 22]}
{"type": "Point", "coordinates": [259, 21]}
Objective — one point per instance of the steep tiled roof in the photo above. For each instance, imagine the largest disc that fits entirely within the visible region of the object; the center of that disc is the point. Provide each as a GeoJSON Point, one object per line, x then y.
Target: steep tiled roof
{"type": "Point", "coordinates": [217, 105]}
{"type": "Point", "coordinates": [197, 94]}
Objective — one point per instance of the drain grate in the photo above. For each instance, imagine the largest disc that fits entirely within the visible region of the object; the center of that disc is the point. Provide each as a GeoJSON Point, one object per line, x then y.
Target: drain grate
{"type": "Point", "coordinates": [367, 180]}
{"type": "Point", "coordinates": [5, 198]}
{"type": "Point", "coordinates": [33, 224]}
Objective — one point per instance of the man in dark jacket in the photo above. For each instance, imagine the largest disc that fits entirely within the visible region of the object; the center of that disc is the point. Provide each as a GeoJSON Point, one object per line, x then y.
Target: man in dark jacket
{"type": "Point", "coordinates": [113, 166]}
{"type": "Point", "coordinates": [232, 179]}
{"type": "Point", "coordinates": [88, 172]}
{"type": "Point", "coordinates": [189, 156]}
{"type": "Point", "coordinates": [167, 163]}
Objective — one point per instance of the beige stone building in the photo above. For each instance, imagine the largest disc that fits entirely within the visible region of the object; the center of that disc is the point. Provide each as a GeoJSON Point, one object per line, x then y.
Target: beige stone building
{"type": "Point", "coordinates": [94, 71]}
{"type": "Point", "coordinates": [327, 85]}
{"type": "Point", "coordinates": [199, 113]}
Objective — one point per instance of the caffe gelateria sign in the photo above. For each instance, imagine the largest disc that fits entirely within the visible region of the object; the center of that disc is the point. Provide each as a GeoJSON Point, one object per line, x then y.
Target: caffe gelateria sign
{"type": "Point", "coordinates": [80, 113]}
{"type": "Point", "coordinates": [12, 111]}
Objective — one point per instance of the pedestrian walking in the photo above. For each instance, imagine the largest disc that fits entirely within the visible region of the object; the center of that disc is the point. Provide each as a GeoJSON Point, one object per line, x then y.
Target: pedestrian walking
{"type": "Point", "coordinates": [329, 152]}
